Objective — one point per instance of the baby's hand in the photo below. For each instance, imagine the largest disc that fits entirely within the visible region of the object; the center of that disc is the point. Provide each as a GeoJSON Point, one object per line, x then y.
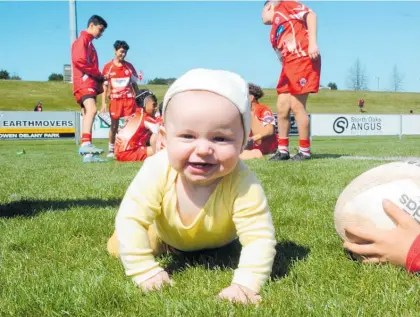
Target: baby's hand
{"type": "Point", "coordinates": [156, 282]}
{"type": "Point", "coordinates": [240, 294]}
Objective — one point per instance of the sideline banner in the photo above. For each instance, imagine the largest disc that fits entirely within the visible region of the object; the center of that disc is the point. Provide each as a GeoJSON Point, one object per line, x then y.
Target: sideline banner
{"type": "Point", "coordinates": [293, 131]}
{"type": "Point", "coordinates": [410, 124]}
{"type": "Point", "coordinates": [355, 125]}
{"type": "Point", "coordinates": [100, 130]}
{"type": "Point", "coordinates": [37, 125]}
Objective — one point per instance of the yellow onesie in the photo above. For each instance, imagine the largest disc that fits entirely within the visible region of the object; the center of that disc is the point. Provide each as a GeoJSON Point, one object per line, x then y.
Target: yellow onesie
{"type": "Point", "coordinates": [236, 209]}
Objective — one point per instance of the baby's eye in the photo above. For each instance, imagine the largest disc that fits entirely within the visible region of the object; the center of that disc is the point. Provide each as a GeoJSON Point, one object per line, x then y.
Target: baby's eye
{"type": "Point", "coordinates": [186, 136]}
{"type": "Point", "coordinates": [221, 139]}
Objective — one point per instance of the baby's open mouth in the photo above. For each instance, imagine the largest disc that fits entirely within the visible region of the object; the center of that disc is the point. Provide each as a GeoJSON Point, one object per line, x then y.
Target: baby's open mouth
{"type": "Point", "coordinates": [200, 165]}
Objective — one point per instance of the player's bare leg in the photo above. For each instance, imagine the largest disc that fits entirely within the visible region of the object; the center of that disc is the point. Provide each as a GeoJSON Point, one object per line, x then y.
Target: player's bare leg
{"type": "Point", "coordinates": [283, 124]}
{"type": "Point", "coordinates": [87, 148]}
{"type": "Point", "coordinates": [112, 134]}
{"type": "Point", "coordinates": [251, 154]}
{"type": "Point", "coordinates": [89, 115]}
{"type": "Point", "coordinates": [298, 107]}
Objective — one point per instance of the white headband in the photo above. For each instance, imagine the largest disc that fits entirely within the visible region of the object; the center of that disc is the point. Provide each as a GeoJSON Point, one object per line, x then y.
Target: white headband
{"type": "Point", "coordinates": [224, 83]}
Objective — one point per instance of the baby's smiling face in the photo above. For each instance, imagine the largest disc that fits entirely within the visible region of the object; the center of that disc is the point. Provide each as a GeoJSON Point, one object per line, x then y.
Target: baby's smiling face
{"type": "Point", "coordinates": [204, 136]}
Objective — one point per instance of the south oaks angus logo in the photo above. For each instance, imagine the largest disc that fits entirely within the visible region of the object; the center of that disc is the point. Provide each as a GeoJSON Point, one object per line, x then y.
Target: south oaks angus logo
{"type": "Point", "coordinates": [355, 124]}
{"type": "Point", "coordinates": [412, 206]}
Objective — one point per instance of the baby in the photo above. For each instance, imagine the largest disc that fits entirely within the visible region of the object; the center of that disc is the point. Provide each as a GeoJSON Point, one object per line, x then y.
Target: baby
{"type": "Point", "coordinates": [196, 193]}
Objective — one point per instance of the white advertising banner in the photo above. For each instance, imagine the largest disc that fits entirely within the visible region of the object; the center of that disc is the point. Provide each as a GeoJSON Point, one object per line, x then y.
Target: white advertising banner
{"type": "Point", "coordinates": [410, 124]}
{"type": "Point", "coordinates": [34, 125]}
{"type": "Point", "coordinates": [355, 125]}
{"type": "Point", "coordinates": [100, 129]}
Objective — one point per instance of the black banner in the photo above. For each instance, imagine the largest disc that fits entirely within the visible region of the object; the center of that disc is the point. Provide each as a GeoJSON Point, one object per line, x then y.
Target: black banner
{"type": "Point", "coordinates": [293, 125]}
{"type": "Point", "coordinates": [34, 136]}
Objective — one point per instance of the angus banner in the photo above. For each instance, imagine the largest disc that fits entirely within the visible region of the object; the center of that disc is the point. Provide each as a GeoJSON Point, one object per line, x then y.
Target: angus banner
{"type": "Point", "coordinates": [37, 125]}
{"type": "Point", "coordinates": [355, 125]}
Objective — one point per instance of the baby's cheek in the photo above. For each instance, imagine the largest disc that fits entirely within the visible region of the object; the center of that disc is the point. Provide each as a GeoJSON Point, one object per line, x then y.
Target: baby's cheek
{"type": "Point", "coordinates": [230, 157]}
{"type": "Point", "coordinates": [175, 154]}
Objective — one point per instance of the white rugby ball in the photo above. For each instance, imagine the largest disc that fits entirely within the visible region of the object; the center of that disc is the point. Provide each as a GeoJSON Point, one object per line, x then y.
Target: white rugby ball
{"type": "Point", "coordinates": [360, 202]}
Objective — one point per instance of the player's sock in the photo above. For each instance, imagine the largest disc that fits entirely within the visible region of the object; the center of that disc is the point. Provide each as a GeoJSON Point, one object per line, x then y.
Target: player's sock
{"type": "Point", "coordinates": [111, 147]}
{"type": "Point", "coordinates": [86, 139]}
{"type": "Point", "coordinates": [283, 145]}
{"type": "Point", "coordinates": [305, 147]}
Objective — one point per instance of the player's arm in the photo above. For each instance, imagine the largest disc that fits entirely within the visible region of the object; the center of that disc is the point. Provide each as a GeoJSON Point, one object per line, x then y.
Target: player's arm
{"type": "Point", "coordinates": [104, 95]}
{"type": "Point", "coordinates": [311, 21]}
{"type": "Point", "coordinates": [138, 210]}
{"type": "Point", "coordinates": [264, 132]}
{"type": "Point", "coordinates": [134, 79]}
{"type": "Point", "coordinates": [105, 88]}
{"type": "Point", "coordinates": [80, 60]}
{"type": "Point", "coordinates": [256, 234]}
{"type": "Point", "coordinates": [263, 125]}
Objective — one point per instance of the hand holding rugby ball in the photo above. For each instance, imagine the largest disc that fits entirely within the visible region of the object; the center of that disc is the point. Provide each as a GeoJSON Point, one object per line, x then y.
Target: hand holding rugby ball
{"type": "Point", "coordinates": [360, 206]}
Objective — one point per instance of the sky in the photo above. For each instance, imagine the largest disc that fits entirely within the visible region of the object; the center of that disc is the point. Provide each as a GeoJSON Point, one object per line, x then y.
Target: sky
{"type": "Point", "coordinates": [168, 38]}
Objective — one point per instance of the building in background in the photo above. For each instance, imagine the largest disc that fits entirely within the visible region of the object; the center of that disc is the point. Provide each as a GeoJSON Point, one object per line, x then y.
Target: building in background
{"type": "Point", "coordinates": [67, 73]}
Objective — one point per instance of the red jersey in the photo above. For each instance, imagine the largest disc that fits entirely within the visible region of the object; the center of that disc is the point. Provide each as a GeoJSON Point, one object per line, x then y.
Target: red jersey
{"type": "Point", "coordinates": [136, 131]}
{"type": "Point", "coordinates": [120, 79]}
{"type": "Point", "coordinates": [86, 73]}
{"type": "Point", "coordinates": [413, 257]}
{"type": "Point", "coordinates": [265, 115]}
{"type": "Point", "coordinates": [289, 35]}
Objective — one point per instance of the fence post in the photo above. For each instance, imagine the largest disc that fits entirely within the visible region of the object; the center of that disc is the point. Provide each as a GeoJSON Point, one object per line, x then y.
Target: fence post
{"type": "Point", "coordinates": [310, 127]}
{"type": "Point", "coordinates": [400, 126]}
{"type": "Point", "coordinates": [77, 130]}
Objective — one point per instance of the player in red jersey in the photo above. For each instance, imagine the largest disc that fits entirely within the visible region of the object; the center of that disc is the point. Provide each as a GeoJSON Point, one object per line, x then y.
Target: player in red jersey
{"type": "Point", "coordinates": [294, 39]}
{"type": "Point", "coordinates": [134, 142]}
{"type": "Point", "coordinates": [262, 139]}
{"type": "Point", "coordinates": [87, 82]}
{"type": "Point", "coordinates": [119, 88]}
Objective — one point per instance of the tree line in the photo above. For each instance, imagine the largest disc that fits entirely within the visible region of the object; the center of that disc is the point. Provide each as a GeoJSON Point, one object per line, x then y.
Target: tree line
{"type": "Point", "coordinates": [356, 80]}
{"type": "Point", "coordinates": [4, 74]}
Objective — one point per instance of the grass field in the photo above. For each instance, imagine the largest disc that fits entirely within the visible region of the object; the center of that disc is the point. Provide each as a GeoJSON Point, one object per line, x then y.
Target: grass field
{"type": "Point", "coordinates": [57, 214]}
{"type": "Point", "coordinates": [23, 95]}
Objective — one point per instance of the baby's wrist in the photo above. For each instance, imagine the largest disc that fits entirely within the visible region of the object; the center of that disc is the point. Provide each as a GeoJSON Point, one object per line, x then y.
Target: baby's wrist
{"type": "Point", "coordinates": [413, 256]}
{"type": "Point", "coordinates": [245, 289]}
{"type": "Point", "coordinates": [142, 278]}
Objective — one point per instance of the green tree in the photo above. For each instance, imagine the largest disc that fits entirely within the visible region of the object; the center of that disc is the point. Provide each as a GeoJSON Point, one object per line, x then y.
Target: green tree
{"type": "Point", "coordinates": [55, 77]}
{"type": "Point", "coordinates": [332, 85]}
{"type": "Point", "coordinates": [4, 74]}
{"type": "Point", "coordinates": [161, 81]}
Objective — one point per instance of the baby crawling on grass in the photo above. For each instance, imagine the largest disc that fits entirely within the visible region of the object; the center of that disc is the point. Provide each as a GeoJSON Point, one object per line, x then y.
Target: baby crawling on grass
{"type": "Point", "coordinates": [196, 194]}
